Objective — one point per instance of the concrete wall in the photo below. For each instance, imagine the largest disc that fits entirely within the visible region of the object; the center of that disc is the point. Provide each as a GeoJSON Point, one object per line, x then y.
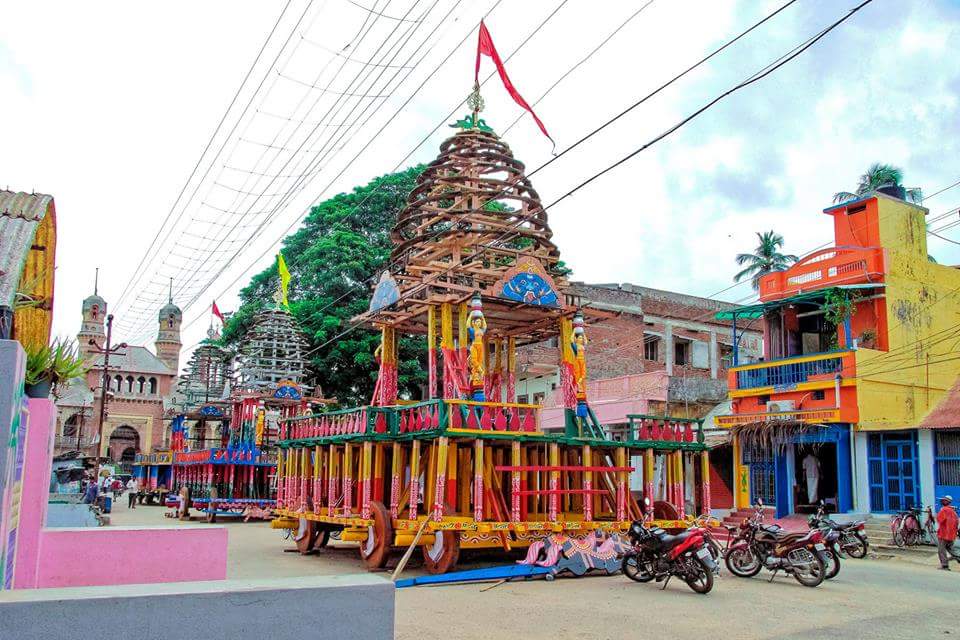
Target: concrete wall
{"type": "Point", "coordinates": [34, 556]}
{"type": "Point", "coordinates": [131, 555]}
{"type": "Point", "coordinates": [357, 607]}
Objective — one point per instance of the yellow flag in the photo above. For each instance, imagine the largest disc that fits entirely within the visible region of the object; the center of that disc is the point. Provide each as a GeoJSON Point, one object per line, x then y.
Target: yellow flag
{"type": "Point", "coordinates": [284, 278]}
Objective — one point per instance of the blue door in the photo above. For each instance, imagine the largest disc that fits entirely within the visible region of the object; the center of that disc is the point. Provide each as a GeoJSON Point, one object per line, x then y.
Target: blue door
{"type": "Point", "coordinates": [947, 463]}
{"type": "Point", "coordinates": [894, 484]}
{"type": "Point", "coordinates": [763, 485]}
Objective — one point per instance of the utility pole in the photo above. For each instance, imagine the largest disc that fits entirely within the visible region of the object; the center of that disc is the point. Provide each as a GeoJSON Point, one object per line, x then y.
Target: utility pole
{"type": "Point", "coordinates": [106, 350]}
{"type": "Point", "coordinates": [83, 414]}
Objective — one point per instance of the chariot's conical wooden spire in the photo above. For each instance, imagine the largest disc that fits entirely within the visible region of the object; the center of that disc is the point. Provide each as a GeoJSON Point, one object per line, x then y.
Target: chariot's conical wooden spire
{"type": "Point", "coordinates": [473, 200]}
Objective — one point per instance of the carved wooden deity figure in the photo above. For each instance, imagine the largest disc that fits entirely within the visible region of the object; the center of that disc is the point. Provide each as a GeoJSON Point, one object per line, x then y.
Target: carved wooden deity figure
{"type": "Point", "coordinates": [477, 356]}
{"type": "Point", "coordinates": [579, 347]}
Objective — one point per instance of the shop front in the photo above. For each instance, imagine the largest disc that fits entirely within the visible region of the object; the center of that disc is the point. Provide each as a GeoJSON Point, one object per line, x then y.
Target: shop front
{"type": "Point", "coordinates": [794, 467]}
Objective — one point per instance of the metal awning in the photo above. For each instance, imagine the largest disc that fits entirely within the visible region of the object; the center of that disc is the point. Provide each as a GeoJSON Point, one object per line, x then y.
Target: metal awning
{"type": "Point", "coordinates": [754, 311]}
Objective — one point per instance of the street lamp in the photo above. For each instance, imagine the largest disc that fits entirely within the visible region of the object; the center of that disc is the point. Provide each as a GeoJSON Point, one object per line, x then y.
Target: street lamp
{"type": "Point", "coordinates": [105, 351]}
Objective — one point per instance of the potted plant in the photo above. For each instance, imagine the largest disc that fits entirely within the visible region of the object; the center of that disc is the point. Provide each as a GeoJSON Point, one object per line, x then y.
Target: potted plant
{"type": "Point", "coordinates": [868, 339]}
{"type": "Point", "coordinates": [49, 367]}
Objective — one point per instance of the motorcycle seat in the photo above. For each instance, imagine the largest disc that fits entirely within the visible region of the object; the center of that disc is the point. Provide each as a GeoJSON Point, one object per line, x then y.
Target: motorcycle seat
{"type": "Point", "coordinates": [786, 536]}
{"type": "Point", "coordinates": [669, 541]}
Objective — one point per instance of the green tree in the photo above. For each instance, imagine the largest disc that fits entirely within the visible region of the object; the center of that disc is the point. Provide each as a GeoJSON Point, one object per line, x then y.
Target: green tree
{"type": "Point", "coordinates": [765, 259]}
{"type": "Point", "coordinates": [880, 175]}
{"type": "Point", "coordinates": [342, 245]}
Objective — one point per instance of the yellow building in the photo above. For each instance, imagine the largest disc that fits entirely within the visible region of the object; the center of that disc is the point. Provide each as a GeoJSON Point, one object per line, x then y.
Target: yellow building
{"type": "Point", "coordinates": [860, 346]}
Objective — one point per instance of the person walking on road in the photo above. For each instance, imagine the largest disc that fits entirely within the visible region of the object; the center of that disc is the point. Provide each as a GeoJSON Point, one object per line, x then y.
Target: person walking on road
{"type": "Point", "coordinates": [947, 533]}
{"type": "Point", "coordinates": [133, 488]}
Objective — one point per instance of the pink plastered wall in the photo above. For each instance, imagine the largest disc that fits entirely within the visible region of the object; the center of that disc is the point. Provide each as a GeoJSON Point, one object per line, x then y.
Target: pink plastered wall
{"type": "Point", "coordinates": [613, 399]}
{"type": "Point", "coordinates": [131, 555]}
{"type": "Point", "coordinates": [104, 555]}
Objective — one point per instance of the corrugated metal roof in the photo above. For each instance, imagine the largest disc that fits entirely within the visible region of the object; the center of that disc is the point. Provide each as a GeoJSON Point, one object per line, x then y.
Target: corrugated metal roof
{"type": "Point", "coordinates": [946, 415]}
{"type": "Point", "coordinates": [136, 360]}
{"type": "Point", "coordinates": [20, 213]}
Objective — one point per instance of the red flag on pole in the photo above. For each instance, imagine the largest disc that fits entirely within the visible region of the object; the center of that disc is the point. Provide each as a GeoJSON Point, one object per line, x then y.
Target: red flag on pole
{"type": "Point", "coordinates": [485, 48]}
{"type": "Point", "coordinates": [216, 312]}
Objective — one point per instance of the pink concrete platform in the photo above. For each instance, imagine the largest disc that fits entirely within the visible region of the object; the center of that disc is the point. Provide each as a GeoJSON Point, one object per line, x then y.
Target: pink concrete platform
{"type": "Point", "coordinates": [38, 557]}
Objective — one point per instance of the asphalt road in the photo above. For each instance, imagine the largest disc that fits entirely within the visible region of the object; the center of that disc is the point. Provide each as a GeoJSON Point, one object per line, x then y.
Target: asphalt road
{"type": "Point", "coordinates": [868, 599]}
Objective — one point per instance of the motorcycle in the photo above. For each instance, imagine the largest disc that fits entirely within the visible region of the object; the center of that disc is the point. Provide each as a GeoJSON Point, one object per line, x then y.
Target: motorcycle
{"type": "Point", "coordinates": [850, 538]}
{"type": "Point", "coordinates": [757, 546]}
{"type": "Point", "coordinates": [655, 554]}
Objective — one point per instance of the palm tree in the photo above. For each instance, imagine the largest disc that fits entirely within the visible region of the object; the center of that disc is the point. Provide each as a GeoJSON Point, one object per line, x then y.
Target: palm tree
{"type": "Point", "coordinates": [765, 259]}
{"type": "Point", "coordinates": [880, 175]}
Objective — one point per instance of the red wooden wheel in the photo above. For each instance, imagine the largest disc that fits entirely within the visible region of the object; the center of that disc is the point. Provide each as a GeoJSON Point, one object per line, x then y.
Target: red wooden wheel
{"type": "Point", "coordinates": [306, 536]}
{"type": "Point", "coordinates": [443, 553]}
{"type": "Point", "coordinates": [665, 511]}
{"type": "Point", "coordinates": [322, 538]}
{"type": "Point", "coordinates": [375, 550]}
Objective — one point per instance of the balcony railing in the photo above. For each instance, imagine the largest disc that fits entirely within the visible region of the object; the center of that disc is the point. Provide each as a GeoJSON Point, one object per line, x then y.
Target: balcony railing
{"type": "Point", "coordinates": [811, 416]}
{"type": "Point", "coordinates": [822, 269]}
{"type": "Point", "coordinates": [790, 372]}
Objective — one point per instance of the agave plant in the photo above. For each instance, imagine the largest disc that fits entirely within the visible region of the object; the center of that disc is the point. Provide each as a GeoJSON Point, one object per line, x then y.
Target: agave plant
{"type": "Point", "coordinates": [50, 367]}
{"type": "Point", "coordinates": [765, 258]}
{"type": "Point", "coordinates": [880, 175]}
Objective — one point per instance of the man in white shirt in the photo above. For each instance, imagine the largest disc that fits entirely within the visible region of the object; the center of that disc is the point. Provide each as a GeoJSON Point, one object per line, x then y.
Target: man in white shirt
{"type": "Point", "coordinates": [133, 488]}
{"type": "Point", "coordinates": [811, 469]}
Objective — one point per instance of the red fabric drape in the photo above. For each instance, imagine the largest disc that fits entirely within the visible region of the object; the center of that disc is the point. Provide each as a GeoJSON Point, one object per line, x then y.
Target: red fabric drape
{"type": "Point", "coordinates": [485, 48]}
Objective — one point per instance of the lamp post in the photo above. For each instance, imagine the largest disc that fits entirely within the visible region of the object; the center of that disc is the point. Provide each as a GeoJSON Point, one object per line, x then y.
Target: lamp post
{"type": "Point", "coordinates": [105, 351]}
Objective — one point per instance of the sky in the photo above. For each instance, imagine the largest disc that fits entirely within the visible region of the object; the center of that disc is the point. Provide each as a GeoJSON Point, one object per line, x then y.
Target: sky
{"type": "Point", "coordinates": [110, 106]}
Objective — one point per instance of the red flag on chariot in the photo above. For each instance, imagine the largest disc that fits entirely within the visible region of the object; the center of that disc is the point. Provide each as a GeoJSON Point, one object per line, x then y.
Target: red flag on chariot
{"type": "Point", "coordinates": [216, 312]}
{"type": "Point", "coordinates": [485, 48]}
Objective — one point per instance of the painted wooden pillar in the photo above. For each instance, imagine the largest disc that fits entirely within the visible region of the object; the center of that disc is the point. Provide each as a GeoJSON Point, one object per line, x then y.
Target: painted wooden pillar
{"type": "Point", "coordinates": [281, 460]}
{"type": "Point", "coordinates": [462, 333]}
{"type": "Point", "coordinates": [317, 479]}
{"type": "Point", "coordinates": [439, 493]}
{"type": "Point", "coordinates": [478, 480]}
{"type": "Point", "coordinates": [620, 459]}
{"type": "Point", "coordinates": [431, 352]}
{"type": "Point", "coordinates": [464, 472]}
{"type": "Point", "coordinates": [305, 477]}
{"type": "Point", "coordinates": [448, 351]}
{"type": "Point", "coordinates": [376, 477]}
{"type": "Point", "coordinates": [451, 489]}
{"type": "Point", "coordinates": [511, 369]}
{"type": "Point", "coordinates": [396, 468]}
{"type": "Point", "coordinates": [515, 481]}
{"type": "Point", "coordinates": [366, 470]}
{"type": "Point", "coordinates": [648, 474]}
{"type": "Point", "coordinates": [705, 482]}
{"type": "Point", "coordinates": [333, 479]}
{"type": "Point", "coordinates": [524, 484]}
{"type": "Point", "coordinates": [587, 484]}
{"type": "Point", "coordinates": [553, 499]}
{"type": "Point", "coordinates": [414, 478]}
{"type": "Point", "coordinates": [681, 485]}
{"type": "Point", "coordinates": [230, 472]}
{"type": "Point", "coordinates": [347, 479]}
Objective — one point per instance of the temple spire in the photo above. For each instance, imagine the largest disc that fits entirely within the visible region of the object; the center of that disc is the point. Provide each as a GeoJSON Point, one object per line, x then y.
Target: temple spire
{"type": "Point", "coordinates": [170, 296]}
{"type": "Point", "coordinates": [96, 279]}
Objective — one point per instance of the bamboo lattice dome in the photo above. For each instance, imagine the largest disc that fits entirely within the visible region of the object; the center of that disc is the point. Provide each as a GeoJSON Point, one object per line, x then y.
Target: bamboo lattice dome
{"type": "Point", "coordinates": [471, 221]}
{"type": "Point", "coordinates": [273, 350]}
{"type": "Point", "coordinates": [206, 375]}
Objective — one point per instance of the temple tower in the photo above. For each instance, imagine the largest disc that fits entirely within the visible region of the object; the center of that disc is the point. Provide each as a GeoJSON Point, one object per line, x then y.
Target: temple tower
{"type": "Point", "coordinates": [168, 335]}
{"type": "Point", "coordinates": [94, 322]}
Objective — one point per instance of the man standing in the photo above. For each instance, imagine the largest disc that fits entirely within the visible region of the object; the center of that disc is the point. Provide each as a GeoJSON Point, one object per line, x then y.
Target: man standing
{"type": "Point", "coordinates": [946, 533]}
{"type": "Point", "coordinates": [133, 488]}
{"type": "Point", "coordinates": [811, 469]}
{"type": "Point", "coordinates": [90, 495]}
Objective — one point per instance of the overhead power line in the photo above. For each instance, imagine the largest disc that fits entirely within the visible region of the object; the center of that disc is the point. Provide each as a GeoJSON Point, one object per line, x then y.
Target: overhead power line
{"type": "Point", "coordinates": [756, 77]}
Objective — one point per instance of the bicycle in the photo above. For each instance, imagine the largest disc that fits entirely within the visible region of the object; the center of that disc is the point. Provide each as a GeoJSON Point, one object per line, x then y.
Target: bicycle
{"type": "Point", "coordinates": [906, 530]}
